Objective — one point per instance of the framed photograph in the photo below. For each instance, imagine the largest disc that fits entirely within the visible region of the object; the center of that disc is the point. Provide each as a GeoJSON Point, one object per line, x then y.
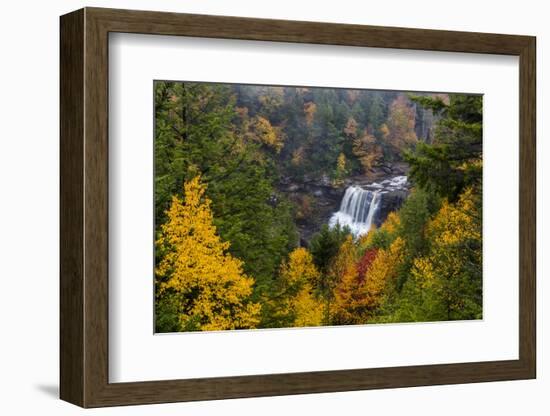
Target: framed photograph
{"type": "Point", "coordinates": [260, 207]}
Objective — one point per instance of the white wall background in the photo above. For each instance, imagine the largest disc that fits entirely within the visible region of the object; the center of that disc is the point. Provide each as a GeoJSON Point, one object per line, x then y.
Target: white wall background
{"type": "Point", "coordinates": [29, 85]}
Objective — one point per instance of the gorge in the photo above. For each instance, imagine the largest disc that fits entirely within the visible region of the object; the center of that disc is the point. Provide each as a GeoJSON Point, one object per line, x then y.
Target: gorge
{"type": "Point", "coordinates": [360, 206]}
{"type": "Point", "coordinates": [360, 203]}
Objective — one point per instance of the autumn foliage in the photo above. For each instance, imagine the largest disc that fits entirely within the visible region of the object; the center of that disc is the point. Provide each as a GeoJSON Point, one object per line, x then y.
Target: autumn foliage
{"type": "Point", "coordinates": [296, 299]}
{"type": "Point", "coordinates": [455, 254]}
{"type": "Point", "coordinates": [368, 150]}
{"type": "Point", "coordinates": [242, 171]}
{"type": "Point", "coordinates": [398, 130]}
{"type": "Point", "coordinates": [365, 262]}
{"type": "Point", "coordinates": [211, 288]}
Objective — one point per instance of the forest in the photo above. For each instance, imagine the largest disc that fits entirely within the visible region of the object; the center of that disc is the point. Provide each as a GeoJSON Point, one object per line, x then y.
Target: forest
{"type": "Point", "coordinates": [281, 207]}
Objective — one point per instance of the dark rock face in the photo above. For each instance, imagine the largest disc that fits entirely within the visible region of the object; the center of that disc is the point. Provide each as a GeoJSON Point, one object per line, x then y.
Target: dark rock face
{"type": "Point", "coordinates": [315, 201]}
{"type": "Point", "coordinates": [382, 172]}
{"type": "Point", "coordinates": [390, 201]}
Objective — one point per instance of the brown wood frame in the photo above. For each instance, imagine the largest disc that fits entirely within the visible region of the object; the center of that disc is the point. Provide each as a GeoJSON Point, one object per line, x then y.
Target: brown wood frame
{"type": "Point", "coordinates": [84, 208]}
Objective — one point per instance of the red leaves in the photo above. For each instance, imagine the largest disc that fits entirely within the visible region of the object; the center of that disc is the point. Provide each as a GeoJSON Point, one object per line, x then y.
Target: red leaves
{"type": "Point", "coordinates": [365, 262]}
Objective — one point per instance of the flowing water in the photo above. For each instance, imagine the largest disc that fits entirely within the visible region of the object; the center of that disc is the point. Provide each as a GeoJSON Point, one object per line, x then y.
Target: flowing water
{"type": "Point", "coordinates": [360, 206]}
{"type": "Point", "coordinates": [357, 210]}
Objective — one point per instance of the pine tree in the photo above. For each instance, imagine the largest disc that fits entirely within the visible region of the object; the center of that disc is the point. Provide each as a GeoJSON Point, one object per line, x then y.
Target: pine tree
{"type": "Point", "coordinates": [454, 161]}
{"type": "Point", "coordinates": [325, 245]}
{"type": "Point", "coordinates": [200, 131]}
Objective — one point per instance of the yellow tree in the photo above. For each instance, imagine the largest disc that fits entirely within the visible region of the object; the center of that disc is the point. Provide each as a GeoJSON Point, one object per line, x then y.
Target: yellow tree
{"type": "Point", "coordinates": [384, 271]}
{"type": "Point", "coordinates": [346, 302]}
{"type": "Point", "coordinates": [367, 149]}
{"type": "Point", "coordinates": [351, 128]}
{"type": "Point", "coordinates": [309, 110]}
{"type": "Point", "coordinates": [340, 171]}
{"type": "Point", "coordinates": [383, 236]}
{"type": "Point", "coordinates": [452, 269]}
{"type": "Point", "coordinates": [297, 302]}
{"type": "Point", "coordinates": [359, 293]}
{"type": "Point", "coordinates": [210, 288]}
{"type": "Point", "coordinates": [266, 134]}
{"type": "Point", "coordinates": [259, 129]}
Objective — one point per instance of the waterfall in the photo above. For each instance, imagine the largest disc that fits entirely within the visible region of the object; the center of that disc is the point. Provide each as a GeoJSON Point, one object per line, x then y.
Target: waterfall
{"type": "Point", "coordinates": [357, 210]}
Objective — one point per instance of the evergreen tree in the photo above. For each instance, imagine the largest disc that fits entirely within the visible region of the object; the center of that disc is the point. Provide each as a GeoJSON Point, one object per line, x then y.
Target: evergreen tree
{"type": "Point", "coordinates": [325, 245]}
{"type": "Point", "coordinates": [454, 161]}
{"type": "Point", "coordinates": [226, 255]}
{"type": "Point", "coordinates": [196, 134]}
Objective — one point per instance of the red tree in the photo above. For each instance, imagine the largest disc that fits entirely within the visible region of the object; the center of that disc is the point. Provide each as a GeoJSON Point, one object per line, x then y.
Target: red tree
{"type": "Point", "coordinates": [365, 262]}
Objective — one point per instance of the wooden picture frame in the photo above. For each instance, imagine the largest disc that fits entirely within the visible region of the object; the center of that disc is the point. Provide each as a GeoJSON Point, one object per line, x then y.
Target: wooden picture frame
{"type": "Point", "coordinates": [84, 207]}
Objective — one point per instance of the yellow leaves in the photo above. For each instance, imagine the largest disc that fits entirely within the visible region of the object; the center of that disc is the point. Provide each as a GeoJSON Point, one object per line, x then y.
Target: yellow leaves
{"type": "Point", "coordinates": [300, 267]}
{"type": "Point", "coordinates": [348, 288]}
{"type": "Point", "coordinates": [385, 131]}
{"type": "Point", "coordinates": [351, 127]}
{"type": "Point", "coordinates": [308, 310]}
{"type": "Point", "coordinates": [343, 265]}
{"type": "Point", "coordinates": [258, 129]}
{"type": "Point", "coordinates": [341, 170]}
{"type": "Point", "coordinates": [385, 267]}
{"type": "Point", "coordinates": [268, 135]}
{"type": "Point", "coordinates": [398, 130]}
{"type": "Point", "coordinates": [298, 156]}
{"type": "Point", "coordinates": [298, 275]}
{"type": "Point", "coordinates": [356, 297]}
{"type": "Point", "coordinates": [392, 223]}
{"type": "Point", "coordinates": [453, 263]}
{"type": "Point", "coordinates": [455, 223]}
{"type": "Point", "coordinates": [309, 110]}
{"type": "Point", "coordinates": [224, 319]}
{"type": "Point", "coordinates": [423, 271]}
{"type": "Point", "coordinates": [367, 150]}
{"type": "Point", "coordinates": [365, 239]}
{"type": "Point", "coordinates": [210, 283]}
{"type": "Point", "coordinates": [390, 226]}
{"type": "Point", "coordinates": [471, 164]}
{"type": "Point", "coordinates": [341, 162]}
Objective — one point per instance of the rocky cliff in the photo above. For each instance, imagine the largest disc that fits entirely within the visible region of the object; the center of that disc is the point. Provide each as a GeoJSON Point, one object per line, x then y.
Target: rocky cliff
{"type": "Point", "coordinates": [317, 200]}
